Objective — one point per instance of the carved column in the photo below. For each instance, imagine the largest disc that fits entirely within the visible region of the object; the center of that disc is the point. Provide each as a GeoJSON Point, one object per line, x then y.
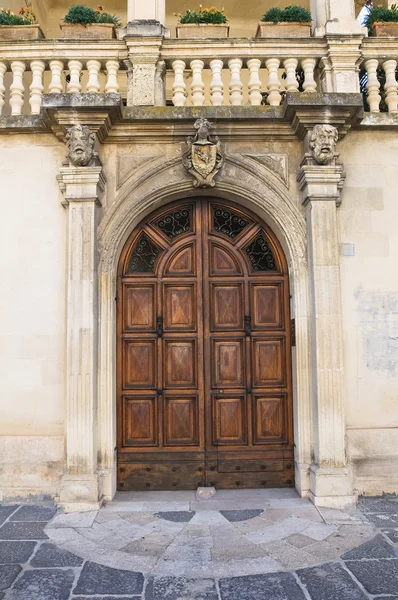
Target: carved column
{"type": "Point", "coordinates": [320, 180]}
{"type": "Point", "coordinates": [82, 184]}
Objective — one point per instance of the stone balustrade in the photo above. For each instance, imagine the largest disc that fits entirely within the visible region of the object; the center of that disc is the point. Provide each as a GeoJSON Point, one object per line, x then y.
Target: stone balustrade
{"type": "Point", "coordinates": [234, 72]}
{"type": "Point", "coordinates": [240, 72]}
{"type": "Point", "coordinates": [29, 69]}
{"type": "Point", "coordinates": [379, 74]}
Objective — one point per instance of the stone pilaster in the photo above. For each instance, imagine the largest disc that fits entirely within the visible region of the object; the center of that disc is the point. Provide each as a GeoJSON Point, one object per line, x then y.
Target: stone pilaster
{"type": "Point", "coordinates": [82, 188]}
{"type": "Point", "coordinates": [320, 185]}
{"type": "Point", "coordinates": [145, 77]}
{"type": "Point", "coordinates": [340, 67]}
{"type": "Point", "coordinates": [335, 17]}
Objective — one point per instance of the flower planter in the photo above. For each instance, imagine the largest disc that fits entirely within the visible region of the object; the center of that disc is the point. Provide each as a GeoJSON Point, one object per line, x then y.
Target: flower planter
{"type": "Point", "coordinates": [20, 32]}
{"type": "Point", "coordinates": [202, 31]}
{"type": "Point", "coordinates": [283, 29]}
{"type": "Point", "coordinates": [91, 31]}
{"type": "Point", "coordinates": [385, 28]}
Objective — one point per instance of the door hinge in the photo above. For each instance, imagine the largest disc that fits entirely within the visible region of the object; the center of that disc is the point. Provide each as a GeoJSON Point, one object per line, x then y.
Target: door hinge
{"type": "Point", "coordinates": [293, 331]}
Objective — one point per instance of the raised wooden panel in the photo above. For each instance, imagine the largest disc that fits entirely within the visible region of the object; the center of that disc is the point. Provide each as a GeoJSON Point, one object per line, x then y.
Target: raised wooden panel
{"type": "Point", "coordinates": [226, 307]}
{"type": "Point", "coordinates": [229, 420]}
{"type": "Point", "coordinates": [139, 307]}
{"type": "Point", "coordinates": [180, 304]}
{"type": "Point", "coordinates": [181, 421]}
{"type": "Point", "coordinates": [180, 363]}
{"type": "Point", "coordinates": [267, 309]}
{"type": "Point", "coordinates": [228, 363]}
{"type": "Point", "coordinates": [140, 363]}
{"type": "Point", "coordinates": [268, 362]}
{"type": "Point", "coordinates": [182, 262]}
{"type": "Point", "coordinates": [140, 421]}
{"type": "Point", "coordinates": [268, 418]}
{"type": "Point", "coordinates": [223, 262]}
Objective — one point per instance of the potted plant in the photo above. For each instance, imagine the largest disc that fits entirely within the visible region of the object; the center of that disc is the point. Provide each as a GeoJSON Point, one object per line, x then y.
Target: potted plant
{"type": "Point", "coordinates": [22, 26]}
{"type": "Point", "coordinates": [82, 22]}
{"type": "Point", "coordinates": [202, 23]}
{"type": "Point", "coordinates": [382, 21]}
{"type": "Point", "coordinates": [292, 21]}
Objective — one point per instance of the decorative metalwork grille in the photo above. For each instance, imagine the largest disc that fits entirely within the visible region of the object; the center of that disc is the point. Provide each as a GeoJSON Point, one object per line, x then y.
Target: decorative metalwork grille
{"type": "Point", "coordinates": [144, 255]}
{"type": "Point", "coordinates": [176, 223]}
{"type": "Point", "coordinates": [227, 222]}
{"type": "Point", "coordinates": [260, 254]}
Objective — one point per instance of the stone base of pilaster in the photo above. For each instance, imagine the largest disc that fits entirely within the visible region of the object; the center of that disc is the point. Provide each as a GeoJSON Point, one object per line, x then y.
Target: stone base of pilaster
{"type": "Point", "coordinates": [331, 488]}
{"type": "Point", "coordinates": [80, 493]}
{"type": "Point", "coordinates": [302, 479]}
{"type": "Point", "coordinates": [341, 27]}
{"type": "Point", "coordinates": [108, 478]}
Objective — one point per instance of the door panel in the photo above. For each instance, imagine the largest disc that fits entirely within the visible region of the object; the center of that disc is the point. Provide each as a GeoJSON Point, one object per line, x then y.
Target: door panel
{"type": "Point", "coordinates": [204, 374]}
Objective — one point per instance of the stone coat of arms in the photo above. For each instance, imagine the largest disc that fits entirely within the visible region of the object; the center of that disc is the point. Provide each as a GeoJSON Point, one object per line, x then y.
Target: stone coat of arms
{"type": "Point", "coordinates": [204, 158]}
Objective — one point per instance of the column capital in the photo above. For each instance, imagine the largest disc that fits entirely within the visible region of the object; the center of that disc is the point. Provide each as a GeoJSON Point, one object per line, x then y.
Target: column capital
{"type": "Point", "coordinates": [82, 184]}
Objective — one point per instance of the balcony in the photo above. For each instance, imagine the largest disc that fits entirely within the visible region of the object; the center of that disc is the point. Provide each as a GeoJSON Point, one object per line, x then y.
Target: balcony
{"type": "Point", "coordinates": [260, 76]}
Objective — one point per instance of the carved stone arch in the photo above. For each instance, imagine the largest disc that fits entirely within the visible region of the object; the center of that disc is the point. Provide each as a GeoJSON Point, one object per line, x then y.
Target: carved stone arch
{"type": "Point", "coordinates": [244, 182]}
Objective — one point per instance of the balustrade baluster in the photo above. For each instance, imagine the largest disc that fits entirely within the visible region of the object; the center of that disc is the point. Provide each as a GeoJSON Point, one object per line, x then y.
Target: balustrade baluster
{"type": "Point", "coordinates": [3, 69]}
{"type": "Point", "coordinates": [274, 85]}
{"type": "Point", "coordinates": [391, 85]}
{"type": "Point", "coordinates": [56, 67]}
{"type": "Point", "coordinates": [216, 84]}
{"type": "Point", "coordinates": [112, 85]}
{"type": "Point", "coordinates": [17, 87]}
{"type": "Point", "coordinates": [235, 84]}
{"type": "Point", "coordinates": [308, 65]}
{"type": "Point", "coordinates": [197, 85]}
{"type": "Point", "coordinates": [179, 86]}
{"type": "Point", "coordinates": [75, 69]}
{"type": "Point", "coordinates": [254, 85]}
{"type": "Point", "coordinates": [93, 84]}
{"type": "Point", "coordinates": [291, 83]}
{"type": "Point", "coordinates": [373, 85]}
{"type": "Point", "coordinates": [36, 88]}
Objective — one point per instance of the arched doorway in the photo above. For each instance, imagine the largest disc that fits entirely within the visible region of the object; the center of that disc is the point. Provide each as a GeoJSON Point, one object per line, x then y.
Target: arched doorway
{"type": "Point", "coordinates": [203, 352]}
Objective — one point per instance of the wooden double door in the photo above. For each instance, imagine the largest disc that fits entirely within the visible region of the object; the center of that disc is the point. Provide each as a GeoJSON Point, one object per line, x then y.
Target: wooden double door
{"type": "Point", "coordinates": [204, 346]}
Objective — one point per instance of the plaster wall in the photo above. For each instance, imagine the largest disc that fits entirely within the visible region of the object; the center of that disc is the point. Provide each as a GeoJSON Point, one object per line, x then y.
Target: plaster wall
{"type": "Point", "coordinates": [32, 314]}
{"type": "Point", "coordinates": [368, 231]}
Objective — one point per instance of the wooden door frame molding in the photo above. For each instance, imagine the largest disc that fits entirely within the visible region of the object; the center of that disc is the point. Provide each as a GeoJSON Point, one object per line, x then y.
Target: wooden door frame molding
{"type": "Point", "coordinates": [252, 185]}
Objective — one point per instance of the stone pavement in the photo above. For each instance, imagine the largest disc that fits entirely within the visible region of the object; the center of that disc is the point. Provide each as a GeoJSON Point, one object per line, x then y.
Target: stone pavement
{"type": "Point", "coordinates": [238, 545]}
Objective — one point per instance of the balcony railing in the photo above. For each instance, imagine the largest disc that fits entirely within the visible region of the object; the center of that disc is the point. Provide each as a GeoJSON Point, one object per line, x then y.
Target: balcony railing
{"type": "Point", "coordinates": [225, 72]}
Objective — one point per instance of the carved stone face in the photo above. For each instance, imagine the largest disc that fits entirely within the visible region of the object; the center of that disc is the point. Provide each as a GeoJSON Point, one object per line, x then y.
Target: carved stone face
{"type": "Point", "coordinates": [323, 143]}
{"type": "Point", "coordinates": [80, 142]}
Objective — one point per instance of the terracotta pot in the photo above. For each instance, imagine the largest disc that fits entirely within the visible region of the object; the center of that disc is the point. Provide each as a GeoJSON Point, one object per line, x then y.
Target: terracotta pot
{"type": "Point", "coordinates": [385, 28]}
{"type": "Point", "coordinates": [202, 31]}
{"type": "Point", "coordinates": [21, 32]}
{"type": "Point", "coordinates": [91, 31]}
{"type": "Point", "coordinates": [283, 29]}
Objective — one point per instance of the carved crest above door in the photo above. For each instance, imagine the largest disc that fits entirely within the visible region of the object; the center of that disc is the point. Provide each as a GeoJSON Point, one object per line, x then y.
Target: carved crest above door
{"type": "Point", "coordinates": [204, 158]}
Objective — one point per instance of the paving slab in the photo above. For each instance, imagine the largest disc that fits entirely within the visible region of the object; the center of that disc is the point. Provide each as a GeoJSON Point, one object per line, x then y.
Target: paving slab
{"type": "Point", "coordinates": [50, 555]}
{"type": "Point", "coordinates": [34, 513]}
{"type": "Point", "coordinates": [177, 588]}
{"type": "Point", "coordinates": [176, 516]}
{"type": "Point", "coordinates": [234, 516]}
{"type": "Point", "coordinates": [8, 574]}
{"type": "Point", "coordinates": [330, 582]}
{"type": "Point", "coordinates": [378, 504]}
{"type": "Point", "coordinates": [377, 547]}
{"type": "Point", "coordinates": [392, 534]}
{"type": "Point", "coordinates": [6, 512]}
{"type": "Point", "coordinates": [383, 519]}
{"type": "Point", "coordinates": [84, 519]}
{"type": "Point", "coordinates": [43, 584]}
{"type": "Point", "coordinates": [279, 586]}
{"type": "Point", "coordinates": [106, 597]}
{"type": "Point", "coordinates": [16, 552]}
{"type": "Point", "coordinates": [97, 579]}
{"type": "Point", "coordinates": [22, 531]}
{"type": "Point", "coordinates": [376, 576]}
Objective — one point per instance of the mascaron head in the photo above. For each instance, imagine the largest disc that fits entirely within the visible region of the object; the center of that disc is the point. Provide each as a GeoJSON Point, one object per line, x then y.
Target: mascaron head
{"type": "Point", "coordinates": [323, 143]}
{"type": "Point", "coordinates": [80, 142]}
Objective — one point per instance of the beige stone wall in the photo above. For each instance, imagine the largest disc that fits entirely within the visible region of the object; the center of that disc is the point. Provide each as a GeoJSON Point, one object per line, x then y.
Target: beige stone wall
{"type": "Point", "coordinates": [32, 314]}
{"type": "Point", "coordinates": [368, 219]}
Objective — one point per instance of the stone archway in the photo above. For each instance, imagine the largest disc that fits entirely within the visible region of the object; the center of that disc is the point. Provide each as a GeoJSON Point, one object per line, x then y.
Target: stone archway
{"type": "Point", "coordinates": [247, 183]}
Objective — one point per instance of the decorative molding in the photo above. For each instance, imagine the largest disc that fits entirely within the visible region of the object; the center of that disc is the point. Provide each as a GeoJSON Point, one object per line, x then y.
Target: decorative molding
{"type": "Point", "coordinates": [277, 163]}
{"type": "Point", "coordinates": [128, 164]}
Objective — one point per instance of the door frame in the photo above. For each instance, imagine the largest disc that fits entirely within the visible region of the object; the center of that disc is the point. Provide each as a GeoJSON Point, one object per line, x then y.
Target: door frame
{"type": "Point", "coordinates": [256, 188]}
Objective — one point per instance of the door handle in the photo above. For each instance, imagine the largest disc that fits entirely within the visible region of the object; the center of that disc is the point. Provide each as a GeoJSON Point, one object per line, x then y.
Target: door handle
{"type": "Point", "coordinates": [159, 326]}
{"type": "Point", "coordinates": [248, 326]}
